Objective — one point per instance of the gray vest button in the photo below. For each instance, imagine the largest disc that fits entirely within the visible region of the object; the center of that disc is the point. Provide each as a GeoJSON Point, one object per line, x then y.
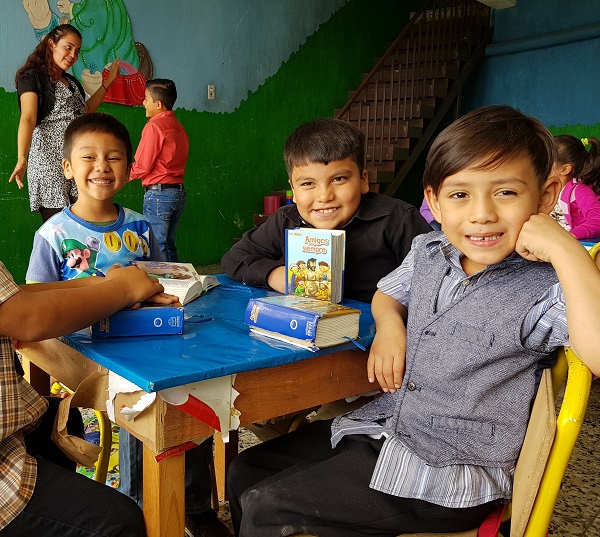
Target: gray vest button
{"type": "Point", "coordinates": [411, 386]}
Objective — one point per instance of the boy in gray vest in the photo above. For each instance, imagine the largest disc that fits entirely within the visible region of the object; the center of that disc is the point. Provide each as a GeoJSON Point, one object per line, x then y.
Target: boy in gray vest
{"type": "Point", "coordinates": [486, 304]}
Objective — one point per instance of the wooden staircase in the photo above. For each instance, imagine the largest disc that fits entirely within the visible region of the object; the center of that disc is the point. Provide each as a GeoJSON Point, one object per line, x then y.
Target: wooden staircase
{"type": "Point", "coordinates": [401, 103]}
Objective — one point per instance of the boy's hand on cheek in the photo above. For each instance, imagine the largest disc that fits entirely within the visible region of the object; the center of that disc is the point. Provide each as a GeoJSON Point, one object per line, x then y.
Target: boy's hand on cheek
{"type": "Point", "coordinates": [542, 237]}
{"type": "Point", "coordinates": [387, 359]}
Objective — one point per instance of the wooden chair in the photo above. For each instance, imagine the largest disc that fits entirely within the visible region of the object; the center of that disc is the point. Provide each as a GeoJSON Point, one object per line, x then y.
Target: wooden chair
{"type": "Point", "coordinates": [546, 451]}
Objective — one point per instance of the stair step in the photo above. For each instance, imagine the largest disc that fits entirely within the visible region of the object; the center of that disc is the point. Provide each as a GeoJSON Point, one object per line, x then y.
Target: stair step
{"type": "Point", "coordinates": [437, 87]}
{"type": "Point", "coordinates": [427, 53]}
{"type": "Point", "coordinates": [380, 150]}
{"type": "Point", "coordinates": [382, 176]}
{"type": "Point", "coordinates": [260, 219]}
{"type": "Point", "coordinates": [475, 26]}
{"type": "Point", "coordinates": [442, 69]}
{"type": "Point", "coordinates": [404, 109]}
{"type": "Point", "coordinates": [391, 132]}
{"type": "Point", "coordinates": [401, 128]}
{"type": "Point", "coordinates": [450, 34]}
{"type": "Point", "coordinates": [382, 172]}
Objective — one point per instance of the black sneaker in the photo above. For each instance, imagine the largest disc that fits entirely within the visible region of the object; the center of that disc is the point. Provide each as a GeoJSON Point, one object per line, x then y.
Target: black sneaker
{"type": "Point", "coordinates": [205, 524]}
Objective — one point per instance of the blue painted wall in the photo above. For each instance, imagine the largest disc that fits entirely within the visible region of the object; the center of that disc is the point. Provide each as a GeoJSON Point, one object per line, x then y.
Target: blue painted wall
{"type": "Point", "coordinates": [281, 77]}
{"type": "Point", "coordinates": [234, 44]}
{"type": "Point", "coordinates": [544, 61]}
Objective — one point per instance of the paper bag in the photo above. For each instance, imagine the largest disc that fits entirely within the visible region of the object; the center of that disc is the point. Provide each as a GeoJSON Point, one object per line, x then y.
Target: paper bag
{"type": "Point", "coordinates": [91, 393]}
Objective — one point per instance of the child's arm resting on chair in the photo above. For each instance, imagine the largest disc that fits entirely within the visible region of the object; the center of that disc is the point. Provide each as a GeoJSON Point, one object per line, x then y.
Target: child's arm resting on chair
{"type": "Point", "coordinates": [542, 239]}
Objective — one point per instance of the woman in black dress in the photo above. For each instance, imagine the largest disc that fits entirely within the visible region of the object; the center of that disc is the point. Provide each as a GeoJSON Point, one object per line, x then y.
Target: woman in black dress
{"type": "Point", "coordinates": [49, 99]}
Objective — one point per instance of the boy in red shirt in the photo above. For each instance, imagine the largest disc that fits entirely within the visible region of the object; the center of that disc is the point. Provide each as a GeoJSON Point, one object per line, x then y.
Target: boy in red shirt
{"type": "Point", "coordinates": [160, 162]}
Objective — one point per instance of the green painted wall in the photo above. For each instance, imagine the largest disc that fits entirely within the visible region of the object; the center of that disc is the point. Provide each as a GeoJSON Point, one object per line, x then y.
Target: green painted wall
{"type": "Point", "coordinates": [579, 131]}
{"type": "Point", "coordinates": [235, 159]}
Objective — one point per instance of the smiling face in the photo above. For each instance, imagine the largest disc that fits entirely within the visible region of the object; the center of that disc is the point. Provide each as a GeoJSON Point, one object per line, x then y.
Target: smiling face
{"type": "Point", "coordinates": [482, 211]}
{"type": "Point", "coordinates": [328, 195]}
{"type": "Point", "coordinates": [65, 51]}
{"type": "Point", "coordinates": [98, 163]}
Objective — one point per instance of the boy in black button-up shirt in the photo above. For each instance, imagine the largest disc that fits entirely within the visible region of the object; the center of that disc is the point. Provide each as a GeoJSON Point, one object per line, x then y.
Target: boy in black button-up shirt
{"type": "Point", "coordinates": [325, 164]}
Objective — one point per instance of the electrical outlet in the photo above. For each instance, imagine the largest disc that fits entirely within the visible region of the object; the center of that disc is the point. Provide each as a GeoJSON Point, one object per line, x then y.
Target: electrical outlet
{"type": "Point", "coordinates": [211, 92]}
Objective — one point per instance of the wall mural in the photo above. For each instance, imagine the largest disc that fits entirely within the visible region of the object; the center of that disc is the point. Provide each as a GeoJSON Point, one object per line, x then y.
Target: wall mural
{"type": "Point", "coordinates": [106, 30]}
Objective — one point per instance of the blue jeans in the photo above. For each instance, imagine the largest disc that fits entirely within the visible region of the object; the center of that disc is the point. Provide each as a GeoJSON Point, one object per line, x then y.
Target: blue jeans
{"type": "Point", "coordinates": [198, 480]}
{"type": "Point", "coordinates": [163, 208]}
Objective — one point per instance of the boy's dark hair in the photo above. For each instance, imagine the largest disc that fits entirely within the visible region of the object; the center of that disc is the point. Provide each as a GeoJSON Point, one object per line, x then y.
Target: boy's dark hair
{"type": "Point", "coordinates": [485, 139]}
{"type": "Point", "coordinates": [96, 122]}
{"type": "Point", "coordinates": [586, 165]}
{"type": "Point", "coordinates": [163, 90]}
{"type": "Point", "coordinates": [323, 141]}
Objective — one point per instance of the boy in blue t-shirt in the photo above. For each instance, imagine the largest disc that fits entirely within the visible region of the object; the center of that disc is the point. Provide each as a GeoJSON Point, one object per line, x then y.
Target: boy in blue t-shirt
{"type": "Point", "coordinates": [85, 240]}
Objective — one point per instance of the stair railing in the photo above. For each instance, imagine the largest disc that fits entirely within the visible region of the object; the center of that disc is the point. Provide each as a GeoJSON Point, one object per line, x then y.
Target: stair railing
{"type": "Point", "coordinates": [415, 57]}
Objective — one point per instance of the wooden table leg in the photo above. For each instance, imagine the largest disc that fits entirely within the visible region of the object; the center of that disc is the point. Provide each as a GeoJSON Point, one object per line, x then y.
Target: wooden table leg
{"type": "Point", "coordinates": [164, 495]}
{"type": "Point", "coordinates": [223, 455]}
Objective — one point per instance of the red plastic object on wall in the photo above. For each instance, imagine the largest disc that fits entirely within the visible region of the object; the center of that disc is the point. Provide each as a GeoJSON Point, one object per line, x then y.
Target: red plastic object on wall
{"type": "Point", "coordinates": [127, 89]}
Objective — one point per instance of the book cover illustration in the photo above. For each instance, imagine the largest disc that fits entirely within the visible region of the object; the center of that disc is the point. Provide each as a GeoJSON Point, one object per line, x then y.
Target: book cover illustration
{"type": "Point", "coordinates": [179, 279]}
{"type": "Point", "coordinates": [314, 260]}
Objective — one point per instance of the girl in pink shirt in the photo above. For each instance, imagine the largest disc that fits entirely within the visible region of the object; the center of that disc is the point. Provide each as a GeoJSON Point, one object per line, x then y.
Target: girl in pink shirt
{"type": "Point", "coordinates": [579, 172]}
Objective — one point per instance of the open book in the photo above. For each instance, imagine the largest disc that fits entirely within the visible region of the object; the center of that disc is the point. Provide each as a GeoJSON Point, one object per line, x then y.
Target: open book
{"type": "Point", "coordinates": [179, 279]}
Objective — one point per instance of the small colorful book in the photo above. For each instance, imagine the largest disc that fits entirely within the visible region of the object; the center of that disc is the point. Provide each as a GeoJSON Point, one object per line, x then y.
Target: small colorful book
{"type": "Point", "coordinates": [179, 279]}
{"type": "Point", "coordinates": [314, 260]}
{"type": "Point", "coordinates": [301, 321]}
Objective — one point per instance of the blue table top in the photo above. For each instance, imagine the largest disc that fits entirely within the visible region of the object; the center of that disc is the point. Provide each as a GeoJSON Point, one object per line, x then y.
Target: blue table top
{"type": "Point", "coordinates": [216, 348]}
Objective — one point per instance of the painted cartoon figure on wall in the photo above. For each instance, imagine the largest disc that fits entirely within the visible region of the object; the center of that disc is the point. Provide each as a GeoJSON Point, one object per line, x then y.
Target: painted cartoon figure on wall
{"type": "Point", "coordinates": [41, 17]}
{"type": "Point", "coordinates": [106, 30]}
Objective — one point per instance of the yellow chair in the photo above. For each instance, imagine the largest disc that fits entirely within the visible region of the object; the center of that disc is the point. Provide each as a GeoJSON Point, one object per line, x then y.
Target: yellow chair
{"type": "Point", "coordinates": [546, 451]}
{"type": "Point", "coordinates": [105, 428]}
{"type": "Point", "coordinates": [568, 426]}
{"type": "Point", "coordinates": [594, 250]}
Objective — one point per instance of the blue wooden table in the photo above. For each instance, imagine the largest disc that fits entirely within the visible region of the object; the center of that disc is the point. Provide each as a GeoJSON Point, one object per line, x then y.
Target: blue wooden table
{"type": "Point", "coordinates": [272, 378]}
{"type": "Point", "coordinates": [207, 348]}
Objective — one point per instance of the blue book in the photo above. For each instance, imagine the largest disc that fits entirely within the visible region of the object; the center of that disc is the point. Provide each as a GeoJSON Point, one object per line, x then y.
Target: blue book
{"type": "Point", "coordinates": [302, 321]}
{"type": "Point", "coordinates": [314, 260]}
{"type": "Point", "coordinates": [149, 320]}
